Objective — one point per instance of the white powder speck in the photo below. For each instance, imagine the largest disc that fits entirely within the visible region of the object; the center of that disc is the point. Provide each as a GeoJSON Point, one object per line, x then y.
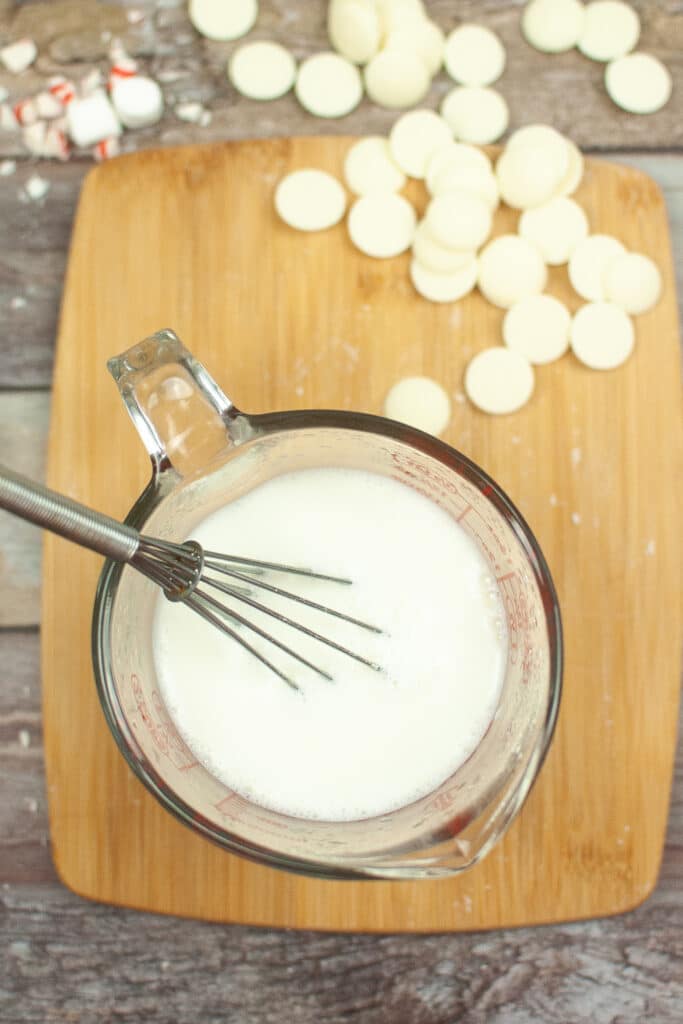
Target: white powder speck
{"type": "Point", "coordinates": [650, 547]}
{"type": "Point", "coordinates": [576, 455]}
{"type": "Point", "coordinates": [459, 397]}
{"type": "Point", "coordinates": [298, 390]}
{"type": "Point", "coordinates": [351, 351]}
{"type": "Point", "coordinates": [515, 439]}
{"type": "Point", "coordinates": [36, 187]}
{"type": "Point", "coordinates": [553, 500]}
{"type": "Point", "coordinates": [467, 901]}
{"type": "Point", "coordinates": [576, 518]}
{"type": "Point", "coordinates": [17, 302]}
{"type": "Point", "coordinates": [32, 805]}
{"type": "Point", "coordinates": [7, 167]}
{"type": "Point", "coordinates": [24, 738]}
{"type": "Point", "coordinates": [165, 964]}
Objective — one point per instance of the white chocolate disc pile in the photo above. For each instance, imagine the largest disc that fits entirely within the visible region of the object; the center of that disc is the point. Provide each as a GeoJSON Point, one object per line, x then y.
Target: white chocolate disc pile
{"type": "Point", "coordinates": [538, 328]}
{"type": "Point", "coordinates": [262, 70]}
{"type": "Point", "coordinates": [537, 171]}
{"type": "Point", "coordinates": [421, 36]}
{"type": "Point", "coordinates": [438, 286]}
{"type": "Point", "coordinates": [354, 29]}
{"type": "Point", "coordinates": [456, 156]}
{"type": "Point", "coordinates": [382, 224]}
{"type": "Point", "coordinates": [638, 83]}
{"type": "Point", "coordinates": [499, 380]}
{"type": "Point", "coordinates": [533, 166]}
{"type": "Point", "coordinates": [556, 228]}
{"type": "Point", "coordinates": [397, 78]}
{"type": "Point", "coordinates": [633, 282]}
{"type": "Point", "coordinates": [510, 269]}
{"type": "Point", "coordinates": [553, 26]}
{"type": "Point", "coordinates": [370, 167]}
{"type": "Point", "coordinates": [221, 20]}
{"type": "Point", "coordinates": [310, 200]}
{"type": "Point", "coordinates": [602, 336]}
{"type": "Point", "coordinates": [610, 30]}
{"type": "Point", "coordinates": [328, 85]}
{"type": "Point", "coordinates": [474, 55]}
{"type": "Point", "coordinates": [414, 139]}
{"type": "Point", "coordinates": [431, 255]}
{"type": "Point", "coordinates": [476, 114]}
{"type": "Point", "coordinates": [458, 220]}
{"type": "Point", "coordinates": [589, 263]}
{"type": "Point", "coordinates": [420, 402]}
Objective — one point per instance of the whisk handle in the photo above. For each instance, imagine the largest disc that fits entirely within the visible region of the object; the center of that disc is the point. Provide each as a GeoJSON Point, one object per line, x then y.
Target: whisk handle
{"type": "Point", "coordinates": [68, 518]}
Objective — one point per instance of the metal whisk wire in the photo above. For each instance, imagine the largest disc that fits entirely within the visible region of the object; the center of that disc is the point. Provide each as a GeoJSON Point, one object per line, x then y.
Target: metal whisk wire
{"type": "Point", "coordinates": [184, 571]}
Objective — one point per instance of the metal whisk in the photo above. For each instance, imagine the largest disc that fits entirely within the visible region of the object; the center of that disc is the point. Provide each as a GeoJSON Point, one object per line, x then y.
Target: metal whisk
{"type": "Point", "coordinates": [183, 571]}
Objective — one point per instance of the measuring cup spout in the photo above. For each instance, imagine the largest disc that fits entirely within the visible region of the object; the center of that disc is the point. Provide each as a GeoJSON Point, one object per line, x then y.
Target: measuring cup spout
{"type": "Point", "coordinates": [183, 418]}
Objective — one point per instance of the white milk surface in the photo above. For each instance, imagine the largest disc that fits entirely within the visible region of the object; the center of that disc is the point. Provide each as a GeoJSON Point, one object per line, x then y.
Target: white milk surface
{"type": "Point", "coordinates": [368, 742]}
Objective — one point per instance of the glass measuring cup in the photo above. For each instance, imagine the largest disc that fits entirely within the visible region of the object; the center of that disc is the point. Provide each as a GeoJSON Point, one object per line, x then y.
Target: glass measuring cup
{"type": "Point", "coordinates": [205, 452]}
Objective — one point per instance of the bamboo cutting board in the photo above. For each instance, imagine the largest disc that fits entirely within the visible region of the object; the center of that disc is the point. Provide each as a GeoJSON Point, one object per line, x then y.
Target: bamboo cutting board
{"type": "Point", "coordinates": [188, 239]}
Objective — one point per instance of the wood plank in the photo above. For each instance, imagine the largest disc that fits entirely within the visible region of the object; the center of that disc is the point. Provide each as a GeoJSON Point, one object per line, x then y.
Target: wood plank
{"type": "Point", "coordinates": [67, 961]}
{"type": "Point", "coordinates": [567, 89]}
{"type": "Point", "coordinates": [595, 844]}
{"type": "Point", "coordinates": [23, 436]}
{"type": "Point", "coordinates": [24, 830]}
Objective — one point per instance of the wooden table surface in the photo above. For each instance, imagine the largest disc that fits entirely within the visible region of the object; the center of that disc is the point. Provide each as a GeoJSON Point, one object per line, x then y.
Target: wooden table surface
{"type": "Point", "coordinates": [62, 959]}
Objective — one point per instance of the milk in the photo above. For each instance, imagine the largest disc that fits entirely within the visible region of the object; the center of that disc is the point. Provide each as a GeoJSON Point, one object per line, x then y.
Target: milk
{"type": "Point", "coordinates": [368, 742]}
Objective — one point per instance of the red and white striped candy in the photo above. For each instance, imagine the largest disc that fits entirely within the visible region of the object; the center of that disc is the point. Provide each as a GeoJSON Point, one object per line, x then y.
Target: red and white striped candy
{"type": "Point", "coordinates": [106, 149]}
{"type": "Point", "coordinates": [48, 106]}
{"type": "Point", "coordinates": [26, 112]}
{"type": "Point", "coordinates": [33, 136]}
{"type": "Point", "coordinates": [62, 89]}
{"type": "Point", "coordinates": [56, 144]}
{"type": "Point", "coordinates": [8, 121]}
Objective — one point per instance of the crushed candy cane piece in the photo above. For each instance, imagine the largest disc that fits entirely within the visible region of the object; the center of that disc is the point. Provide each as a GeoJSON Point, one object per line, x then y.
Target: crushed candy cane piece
{"type": "Point", "coordinates": [19, 55]}
{"type": "Point", "coordinates": [36, 187]}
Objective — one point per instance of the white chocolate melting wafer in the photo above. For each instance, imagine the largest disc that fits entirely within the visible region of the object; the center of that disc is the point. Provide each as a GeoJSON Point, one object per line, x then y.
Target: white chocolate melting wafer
{"type": "Point", "coordinates": [499, 380]}
{"type": "Point", "coordinates": [459, 220]}
{"type": "Point", "coordinates": [262, 70]}
{"type": "Point", "coordinates": [310, 200]}
{"type": "Point", "coordinates": [610, 29]}
{"type": "Point", "coordinates": [354, 29]}
{"type": "Point", "coordinates": [420, 402]}
{"type": "Point", "coordinates": [556, 228]}
{"type": "Point", "coordinates": [510, 269]}
{"type": "Point", "coordinates": [589, 263]}
{"type": "Point", "coordinates": [382, 225]}
{"type": "Point", "coordinates": [438, 286]}
{"type": "Point", "coordinates": [474, 55]}
{"type": "Point", "coordinates": [396, 78]}
{"type": "Point", "coordinates": [415, 137]}
{"type": "Point", "coordinates": [633, 282]}
{"type": "Point", "coordinates": [475, 114]}
{"type": "Point", "coordinates": [638, 83]}
{"type": "Point", "coordinates": [538, 327]}
{"type": "Point", "coordinates": [370, 167]}
{"type": "Point", "coordinates": [223, 19]}
{"type": "Point", "coordinates": [602, 335]}
{"type": "Point", "coordinates": [433, 256]}
{"type": "Point", "coordinates": [328, 85]}
{"type": "Point", "coordinates": [553, 26]}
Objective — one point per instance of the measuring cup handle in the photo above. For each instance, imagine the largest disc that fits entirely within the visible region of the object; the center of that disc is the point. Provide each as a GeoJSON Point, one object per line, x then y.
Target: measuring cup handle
{"type": "Point", "coordinates": [182, 416]}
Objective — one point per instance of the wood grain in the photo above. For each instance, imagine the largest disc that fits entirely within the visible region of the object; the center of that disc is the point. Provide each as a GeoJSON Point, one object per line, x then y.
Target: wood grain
{"type": "Point", "coordinates": [68, 961]}
{"type": "Point", "coordinates": [594, 836]}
